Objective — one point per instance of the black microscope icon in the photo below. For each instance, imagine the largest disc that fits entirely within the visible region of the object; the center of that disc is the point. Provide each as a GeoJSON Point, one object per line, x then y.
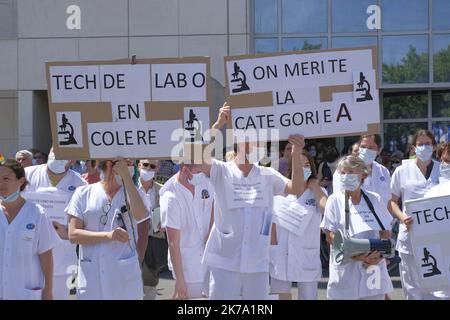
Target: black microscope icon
{"type": "Point", "coordinates": [364, 88]}
{"type": "Point", "coordinates": [432, 265]}
{"type": "Point", "coordinates": [194, 127]}
{"type": "Point", "coordinates": [66, 129]}
{"type": "Point", "coordinates": [239, 76]}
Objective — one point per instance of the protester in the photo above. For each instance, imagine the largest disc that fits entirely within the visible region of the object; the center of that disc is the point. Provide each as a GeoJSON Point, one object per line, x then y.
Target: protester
{"type": "Point", "coordinates": [92, 174]}
{"type": "Point", "coordinates": [25, 158]}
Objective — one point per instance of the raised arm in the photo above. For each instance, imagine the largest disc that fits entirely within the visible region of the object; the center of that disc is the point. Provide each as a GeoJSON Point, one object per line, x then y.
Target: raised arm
{"type": "Point", "coordinates": [296, 185]}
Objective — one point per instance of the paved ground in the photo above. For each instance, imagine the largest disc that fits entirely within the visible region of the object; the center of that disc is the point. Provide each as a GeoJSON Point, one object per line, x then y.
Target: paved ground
{"type": "Point", "coordinates": [166, 285]}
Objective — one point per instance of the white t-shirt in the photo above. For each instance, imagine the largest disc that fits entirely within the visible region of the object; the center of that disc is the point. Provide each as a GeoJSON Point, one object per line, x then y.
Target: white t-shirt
{"type": "Point", "coordinates": [239, 239]}
{"type": "Point", "coordinates": [64, 254]}
{"type": "Point", "coordinates": [191, 215]}
{"type": "Point", "coordinates": [349, 280]}
{"type": "Point", "coordinates": [107, 270]}
{"type": "Point", "coordinates": [409, 183]}
{"type": "Point", "coordinates": [379, 181]}
{"type": "Point", "coordinates": [21, 242]}
{"type": "Point", "coordinates": [296, 258]}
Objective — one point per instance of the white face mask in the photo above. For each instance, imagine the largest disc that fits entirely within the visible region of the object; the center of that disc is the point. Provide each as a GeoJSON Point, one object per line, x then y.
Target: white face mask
{"type": "Point", "coordinates": [34, 162]}
{"type": "Point", "coordinates": [256, 155]}
{"type": "Point", "coordinates": [147, 175]}
{"type": "Point", "coordinates": [424, 152]}
{"type": "Point", "coordinates": [445, 170]}
{"type": "Point", "coordinates": [131, 171]}
{"type": "Point", "coordinates": [56, 166]}
{"type": "Point", "coordinates": [306, 173]}
{"type": "Point", "coordinates": [119, 180]}
{"type": "Point", "coordinates": [367, 155]}
{"type": "Point", "coordinates": [349, 181]}
{"type": "Point", "coordinates": [197, 178]}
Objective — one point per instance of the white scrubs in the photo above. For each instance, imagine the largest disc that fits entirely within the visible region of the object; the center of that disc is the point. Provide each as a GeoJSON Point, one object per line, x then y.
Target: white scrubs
{"type": "Point", "coordinates": [296, 258]}
{"type": "Point", "coordinates": [108, 270]}
{"type": "Point", "coordinates": [409, 183]}
{"type": "Point", "coordinates": [237, 250]}
{"type": "Point", "coordinates": [379, 181]}
{"type": "Point", "coordinates": [191, 215]}
{"type": "Point", "coordinates": [64, 255]}
{"type": "Point", "coordinates": [21, 242]}
{"type": "Point", "coordinates": [352, 280]}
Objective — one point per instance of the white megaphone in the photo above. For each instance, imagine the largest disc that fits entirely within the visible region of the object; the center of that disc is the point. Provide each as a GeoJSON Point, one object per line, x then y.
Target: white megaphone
{"type": "Point", "coordinates": [345, 247]}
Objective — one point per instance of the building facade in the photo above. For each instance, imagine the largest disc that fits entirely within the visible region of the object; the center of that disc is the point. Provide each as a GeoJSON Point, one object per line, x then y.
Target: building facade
{"type": "Point", "coordinates": [413, 39]}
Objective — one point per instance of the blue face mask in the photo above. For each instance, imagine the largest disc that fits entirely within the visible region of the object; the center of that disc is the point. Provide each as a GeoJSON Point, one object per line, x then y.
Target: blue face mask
{"type": "Point", "coordinates": [306, 173]}
{"type": "Point", "coordinates": [12, 197]}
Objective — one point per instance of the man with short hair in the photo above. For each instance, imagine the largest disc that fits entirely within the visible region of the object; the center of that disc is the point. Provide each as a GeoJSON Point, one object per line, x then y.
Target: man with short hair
{"type": "Point", "coordinates": [25, 158]}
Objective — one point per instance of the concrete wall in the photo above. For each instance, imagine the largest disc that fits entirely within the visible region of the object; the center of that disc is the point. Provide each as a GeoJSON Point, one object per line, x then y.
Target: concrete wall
{"type": "Point", "coordinates": [113, 29]}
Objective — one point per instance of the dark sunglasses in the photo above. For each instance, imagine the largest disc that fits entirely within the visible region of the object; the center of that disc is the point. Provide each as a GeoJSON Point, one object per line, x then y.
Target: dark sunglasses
{"type": "Point", "coordinates": [151, 165]}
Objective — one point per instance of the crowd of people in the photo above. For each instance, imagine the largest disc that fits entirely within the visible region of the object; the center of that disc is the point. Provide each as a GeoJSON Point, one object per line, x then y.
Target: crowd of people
{"type": "Point", "coordinates": [123, 218]}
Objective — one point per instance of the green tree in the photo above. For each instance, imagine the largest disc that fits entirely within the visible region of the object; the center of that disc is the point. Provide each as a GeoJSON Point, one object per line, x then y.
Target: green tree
{"type": "Point", "coordinates": [442, 65]}
{"type": "Point", "coordinates": [413, 68]}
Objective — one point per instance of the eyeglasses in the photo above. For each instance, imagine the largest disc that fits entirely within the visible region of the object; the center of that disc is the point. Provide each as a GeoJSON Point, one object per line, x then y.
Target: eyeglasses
{"type": "Point", "coordinates": [106, 208]}
{"type": "Point", "coordinates": [151, 165]}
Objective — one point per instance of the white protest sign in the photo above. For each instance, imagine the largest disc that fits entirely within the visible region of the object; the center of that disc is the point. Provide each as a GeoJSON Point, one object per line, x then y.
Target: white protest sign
{"type": "Point", "coordinates": [247, 193]}
{"type": "Point", "coordinates": [291, 215]}
{"type": "Point", "coordinates": [318, 94]}
{"type": "Point", "coordinates": [54, 204]}
{"type": "Point", "coordinates": [430, 238]}
{"type": "Point", "coordinates": [144, 108]}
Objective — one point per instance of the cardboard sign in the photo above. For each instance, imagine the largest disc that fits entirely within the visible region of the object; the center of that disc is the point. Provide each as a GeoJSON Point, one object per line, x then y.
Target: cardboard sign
{"type": "Point", "coordinates": [149, 109]}
{"type": "Point", "coordinates": [325, 93]}
{"type": "Point", "coordinates": [430, 238]}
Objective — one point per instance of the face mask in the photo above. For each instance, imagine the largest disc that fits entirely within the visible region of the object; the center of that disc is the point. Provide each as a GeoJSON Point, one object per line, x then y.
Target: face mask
{"type": "Point", "coordinates": [312, 153]}
{"type": "Point", "coordinates": [131, 171]}
{"type": "Point", "coordinates": [349, 181]}
{"type": "Point", "coordinates": [306, 173]}
{"type": "Point", "coordinates": [255, 155]}
{"type": "Point", "coordinates": [367, 155]}
{"type": "Point", "coordinates": [119, 180]}
{"type": "Point", "coordinates": [424, 152]}
{"type": "Point", "coordinates": [445, 171]}
{"type": "Point", "coordinates": [56, 166]}
{"type": "Point", "coordinates": [12, 197]}
{"type": "Point", "coordinates": [34, 162]}
{"type": "Point", "coordinates": [197, 178]}
{"type": "Point", "coordinates": [147, 175]}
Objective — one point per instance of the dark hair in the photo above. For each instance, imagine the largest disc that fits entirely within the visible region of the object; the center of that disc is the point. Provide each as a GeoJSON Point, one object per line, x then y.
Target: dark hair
{"type": "Point", "coordinates": [375, 137]}
{"type": "Point", "coordinates": [423, 132]}
{"type": "Point", "coordinates": [331, 154]}
{"type": "Point", "coordinates": [312, 165]}
{"type": "Point", "coordinates": [18, 170]}
{"type": "Point", "coordinates": [442, 149]}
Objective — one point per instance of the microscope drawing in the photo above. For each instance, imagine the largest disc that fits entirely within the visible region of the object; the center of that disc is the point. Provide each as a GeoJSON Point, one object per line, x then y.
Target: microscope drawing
{"type": "Point", "coordinates": [66, 129]}
{"type": "Point", "coordinates": [194, 127]}
{"type": "Point", "coordinates": [432, 265]}
{"type": "Point", "coordinates": [363, 88]}
{"type": "Point", "coordinates": [240, 78]}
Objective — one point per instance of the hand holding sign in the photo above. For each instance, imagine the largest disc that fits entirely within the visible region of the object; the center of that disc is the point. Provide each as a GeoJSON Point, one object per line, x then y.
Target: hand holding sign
{"type": "Point", "coordinates": [298, 143]}
{"type": "Point", "coordinates": [224, 116]}
{"type": "Point", "coordinates": [407, 221]}
{"type": "Point", "coordinates": [121, 168]}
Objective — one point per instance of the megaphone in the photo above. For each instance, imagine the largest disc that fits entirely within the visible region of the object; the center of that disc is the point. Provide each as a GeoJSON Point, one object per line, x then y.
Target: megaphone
{"type": "Point", "coordinates": [345, 247]}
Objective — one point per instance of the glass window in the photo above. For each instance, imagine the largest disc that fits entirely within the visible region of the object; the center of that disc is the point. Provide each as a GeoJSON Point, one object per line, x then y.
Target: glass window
{"type": "Point", "coordinates": [266, 45]}
{"type": "Point", "coordinates": [266, 16]}
{"type": "Point", "coordinates": [440, 104]}
{"type": "Point", "coordinates": [304, 16]}
{"type": "Point", "coordinates": [441, 57]}
{"type": "Point", "coordinates": [351, 15]}
{"type": "Point", "coordinates": [401, 15]}
{"type": "Point", "coordinates": [441, 14]}
{"type": "Point", "coordinates": [8, 19]}
{"type": "Point", "coordinates": [441, 131]}
{"type": "Point", "coordinates": [405, 59]}
{"type": "Point", "coordinates": [405, 105]}
{"type": "Point", "coordinates": [397, 136]}
{"type": "Point", "coordinates": [295, 44]}
{"type": "Point", "coordinates": [347, 42]}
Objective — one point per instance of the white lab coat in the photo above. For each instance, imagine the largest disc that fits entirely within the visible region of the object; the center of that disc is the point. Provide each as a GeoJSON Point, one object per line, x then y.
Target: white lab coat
{"type": "Point", "coordinates": [236, 242]}
{"type": "Point", "coordinates": [191, 215]}
{"type": "Point", "coordinates": [21, 242]}
{"type": "Point", "coordinates": [108, 270]}
{"type": "Point", "coordinates": [64, 254]}
{"type": "Point", "coordinates": [296, 258]}
{"type": "Point", "coordinates": [442, 189]}
{"type": "Point", "coordinates": [379, 181]}
{"type": "Point", "coordinates": [350, 280]}
{"type": "Point", "coordinates": [409, 183]}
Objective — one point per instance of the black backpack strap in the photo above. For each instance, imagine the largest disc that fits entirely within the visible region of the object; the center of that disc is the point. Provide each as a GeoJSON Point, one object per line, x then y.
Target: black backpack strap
{"type": "Point", "coordinates": [370, 205]}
